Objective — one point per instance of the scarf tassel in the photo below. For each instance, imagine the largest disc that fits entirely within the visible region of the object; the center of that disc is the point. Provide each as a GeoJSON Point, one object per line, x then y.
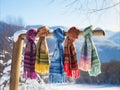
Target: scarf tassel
{"type": "Point", "coordinates": [42, 68]}
{"type": "Point", "coordinates": [96, 70]}
{"type": "Point", "coordinates": [31, 75]}
{"type": "Point", "coordinates": [29, 56]}
{"type": "Point", "coordinates": [42, 58]}
{"type": "Point", "coordinates": [57, 78]}
{"type": "Point", "coordinates": [85, 63]}
{"type": "Point", "coordinates": [96, 65]}
{"type": "Point", "coordinates": [75, 73]}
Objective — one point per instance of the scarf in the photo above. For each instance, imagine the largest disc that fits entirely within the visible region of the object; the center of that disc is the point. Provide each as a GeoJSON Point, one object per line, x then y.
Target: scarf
{"type": "Point", "coordinates": [29, 56]}
{"type": "Point", "coordinates": [57, 74]}
{"type": "Point", "coordinates": [70, 57]}
{"type": "Point", "coordinates": [89, 58]}
{"type": "Point", "coordinates": [86, 51]}
{"type": "Point", "coordinates": [42, 57]}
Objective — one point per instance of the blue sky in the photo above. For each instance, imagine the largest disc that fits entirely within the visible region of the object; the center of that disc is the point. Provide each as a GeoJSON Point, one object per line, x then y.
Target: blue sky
{"type": "Point", "coordinates": [46, 12]}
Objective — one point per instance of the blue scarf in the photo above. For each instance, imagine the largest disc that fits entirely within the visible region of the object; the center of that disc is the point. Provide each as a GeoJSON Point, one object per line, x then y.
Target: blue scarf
{"type": "Point", "coordinates": [57, 74]}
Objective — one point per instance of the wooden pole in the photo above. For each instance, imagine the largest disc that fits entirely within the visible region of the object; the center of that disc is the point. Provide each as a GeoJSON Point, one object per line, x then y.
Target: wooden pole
{"type": "Point", "coordinates": [16, 61]}
{"type": "Point", "coordinates": [95, 33]}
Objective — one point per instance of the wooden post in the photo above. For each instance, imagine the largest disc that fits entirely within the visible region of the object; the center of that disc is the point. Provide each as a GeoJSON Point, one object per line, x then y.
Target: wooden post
{"type": "Point", "coordinates": [16, 61]}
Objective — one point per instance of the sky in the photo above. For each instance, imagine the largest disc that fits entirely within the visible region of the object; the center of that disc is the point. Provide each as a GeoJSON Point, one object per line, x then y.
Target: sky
{"type": "Point", "coordinates": [63, 13]}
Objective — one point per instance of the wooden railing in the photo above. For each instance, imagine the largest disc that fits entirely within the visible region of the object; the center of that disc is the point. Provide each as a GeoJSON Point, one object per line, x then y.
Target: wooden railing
{"type": "Point", "coordinates": [17, 55]}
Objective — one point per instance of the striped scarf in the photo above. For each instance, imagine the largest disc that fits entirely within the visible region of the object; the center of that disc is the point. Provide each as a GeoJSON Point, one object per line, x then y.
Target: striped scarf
{"type": "Point", "coordinates": [57, 74]}
{"type": "Point", "coordinates": [42, 57]}
{"type": "Point", "coordinates": [70, 57]}
{"type": "Point", "coordinates": [86, 51]}
{"type": "Point", "coordinates": [29, 56]}
{"type": "Point", "coordinates": [89, 58]}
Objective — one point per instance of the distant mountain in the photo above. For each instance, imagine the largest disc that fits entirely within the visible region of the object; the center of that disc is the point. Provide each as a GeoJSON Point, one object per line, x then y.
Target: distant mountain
{"type": "Point", "coordinates": [55, 27]}
{"type": "Point", "coordinates": [107, 49]}
{"type": "Point", "coordinates": [109, 33]}
{"type": "Point", "coordinates": [115, 37]}
{"type": "Point", "coordinates": [6, 43]}
{"type": "Point", "coordinates": [33, 26]}
{"type": "Point", "coordinates": [50, 27]}
{"type": "Point", "coordinates": [2, 25]}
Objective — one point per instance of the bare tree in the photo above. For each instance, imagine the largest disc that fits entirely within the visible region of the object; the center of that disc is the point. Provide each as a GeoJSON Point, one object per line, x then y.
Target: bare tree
{"type": "Point", "coordinates": [14, 20]}
{"type": "Point", "coordinates": [7, 30]}
{"type": "Point", "coordinates": [90, 6]}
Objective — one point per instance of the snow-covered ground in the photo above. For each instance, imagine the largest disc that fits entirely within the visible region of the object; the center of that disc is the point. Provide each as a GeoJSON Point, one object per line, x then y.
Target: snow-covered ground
{"type": "Point", "coordinates": [68, 87]}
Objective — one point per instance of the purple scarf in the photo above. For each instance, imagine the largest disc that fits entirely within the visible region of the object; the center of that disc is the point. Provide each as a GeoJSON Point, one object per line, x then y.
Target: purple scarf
{"type": "Point", "coordinates": [30, 55]}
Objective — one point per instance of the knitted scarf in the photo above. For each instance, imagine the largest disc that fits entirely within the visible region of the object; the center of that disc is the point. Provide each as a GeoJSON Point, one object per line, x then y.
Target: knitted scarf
{"type": "Point", "coordinates": [29, 56]}
{"type": "Point", "coordinates": [86, 51]}
{"type": "Point", "coordinates": [42, 57]}
{"type": "Point", "coordinates": [89, 58]}
{"type": "Point", "coordinates": [57, 74]}
{"type": "Point", "coordinates": [70, 58]}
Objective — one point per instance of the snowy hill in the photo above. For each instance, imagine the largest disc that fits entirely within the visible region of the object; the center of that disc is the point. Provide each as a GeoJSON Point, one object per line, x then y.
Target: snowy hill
{"type": "Point", "coordinates": [50, 27]}
{"type": "Point", "coordinates": [109, 33]}
{"type": "Point", "coordinates": [109, 46]}
{"type": "Point", "coordinates": [107, 49]}
{"type": "Point", "coordinates": [115, 37]}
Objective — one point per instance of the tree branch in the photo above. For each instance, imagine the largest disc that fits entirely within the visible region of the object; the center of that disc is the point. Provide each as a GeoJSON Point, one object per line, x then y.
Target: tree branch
{"type": "Point", "coordinates": [71, 3]}
{"type": "Point", "coordinates": [97, 10]}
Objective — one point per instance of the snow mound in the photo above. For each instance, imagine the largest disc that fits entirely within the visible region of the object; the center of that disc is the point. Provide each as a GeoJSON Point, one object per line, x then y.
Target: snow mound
{"type": "Point", "coordinates": [9, 62]}
{"type": "Point", "coordinates": [7, 69]}
{"type": "Point", "coordinates": [4, 78]}
{"type": "Point", "coordinates": [1, 62]}
{"type": "Point", "coordinates": [67, 87]}
{"type": "Point", "coordinates": [17, 33]}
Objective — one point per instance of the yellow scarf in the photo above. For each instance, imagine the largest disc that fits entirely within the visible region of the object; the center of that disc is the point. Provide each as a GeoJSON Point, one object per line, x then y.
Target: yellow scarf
{"type": "Point", "coordinates": [42, 56]}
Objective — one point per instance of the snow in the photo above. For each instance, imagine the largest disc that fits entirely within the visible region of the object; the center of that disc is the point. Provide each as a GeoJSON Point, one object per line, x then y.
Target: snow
{"type": "Point", "coordinates": [17, 33]}
{"type": "Point", "coordinates": [1, 62]}
{"type": "Point", "coordinates": [7, 69]}
{"type": "Point", "coordinates": [67, 87]}
{"type": "Point", "coordinates": [4, 78]}
{"type": "Point", "coordinates": [9, 62]}
{"type": "Point", "coordinates": [6, 52]}
{"type": "Point", "coordinates": [98, 28]}
{"type": "Point", "coordinates": [2, 55]}
{"type": "Point", "coordinates": [10, 38]}
{"type": "Point", "coordinates": [82, 87]}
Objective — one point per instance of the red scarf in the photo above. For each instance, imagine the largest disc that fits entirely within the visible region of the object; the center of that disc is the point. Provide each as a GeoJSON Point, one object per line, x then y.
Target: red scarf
{"type": "Point", "coordinates": [70, 57]}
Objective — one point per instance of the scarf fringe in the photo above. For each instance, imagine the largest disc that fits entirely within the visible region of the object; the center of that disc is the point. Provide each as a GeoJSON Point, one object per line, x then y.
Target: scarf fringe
{"type": "Point", "coordinates": [96, 69]}
{"type": "Point", "coordinates": [66, 67]}
{"type": "Point", "coordinates": [85, 63]}
{"type": "Point", "coordinates": [57, 78]}
{"type": "Point", "coordinates": [42, 68]}
{"type": "Point", "coordinates": [31, 75]}
{"type": "Point", "coordinates": [75, 73]}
